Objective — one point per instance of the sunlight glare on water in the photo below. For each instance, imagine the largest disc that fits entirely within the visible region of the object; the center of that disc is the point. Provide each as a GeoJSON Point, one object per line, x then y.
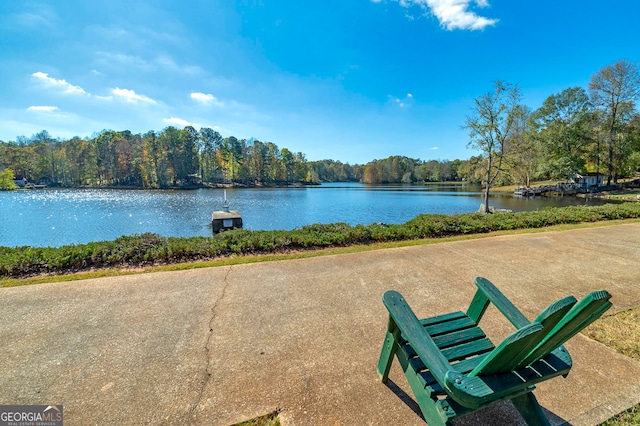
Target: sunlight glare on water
{"type": "Point", "coordinates": [54, 218]}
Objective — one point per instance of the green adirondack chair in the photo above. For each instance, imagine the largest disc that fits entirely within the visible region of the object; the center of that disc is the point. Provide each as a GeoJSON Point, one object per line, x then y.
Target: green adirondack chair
{"type": "Point", "coordinates": [453, 369]}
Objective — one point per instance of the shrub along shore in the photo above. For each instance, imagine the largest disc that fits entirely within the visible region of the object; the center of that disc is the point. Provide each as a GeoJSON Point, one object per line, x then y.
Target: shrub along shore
{"type": "Point", "coordinates": [152, 249]}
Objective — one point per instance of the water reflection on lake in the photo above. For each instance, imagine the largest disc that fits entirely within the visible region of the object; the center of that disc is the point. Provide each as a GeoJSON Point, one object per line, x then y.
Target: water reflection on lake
{"type": "Point", "coordinates": [59, 217]}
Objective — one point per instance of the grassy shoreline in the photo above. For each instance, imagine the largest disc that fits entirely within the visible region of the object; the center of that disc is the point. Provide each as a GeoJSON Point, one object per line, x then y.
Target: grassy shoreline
{"type": "Point", "coordinates": [141, 252]}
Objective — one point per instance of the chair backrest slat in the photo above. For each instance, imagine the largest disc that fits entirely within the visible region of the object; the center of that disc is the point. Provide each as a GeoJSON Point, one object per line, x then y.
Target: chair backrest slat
{"type": "Point", "coordinates": [555, 325]}
{"type": "Point", "coordinates": [581, 315]}
{"type": "Point", "coordinates": [508, 354]}
{"type": "Point", "coordinates": [553, 313]}
{"type": "Point", "coordinates": [511, 352]}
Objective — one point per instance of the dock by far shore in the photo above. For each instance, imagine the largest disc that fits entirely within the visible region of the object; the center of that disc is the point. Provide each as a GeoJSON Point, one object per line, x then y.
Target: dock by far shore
{"type": "Point", "coordinates": [627, 190]}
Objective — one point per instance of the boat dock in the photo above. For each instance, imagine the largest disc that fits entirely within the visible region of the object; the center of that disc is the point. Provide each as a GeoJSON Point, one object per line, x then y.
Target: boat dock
{"type": "Point", "coordinates": [549, 190]}
{"type": "Point", "coordinates": [225, 219]}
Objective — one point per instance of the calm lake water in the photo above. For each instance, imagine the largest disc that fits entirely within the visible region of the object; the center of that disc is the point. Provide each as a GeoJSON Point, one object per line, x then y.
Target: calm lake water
{"type": "Point", "coordinates": [41, 218]}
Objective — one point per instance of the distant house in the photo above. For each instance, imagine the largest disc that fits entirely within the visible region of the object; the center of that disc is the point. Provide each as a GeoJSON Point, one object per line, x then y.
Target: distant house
{"type": "Point", "coordinates": [589, 180]}
{"type": "Point", "coordinates": [20, 181]}
{"type": "Point", "coordinates": [193, 179]}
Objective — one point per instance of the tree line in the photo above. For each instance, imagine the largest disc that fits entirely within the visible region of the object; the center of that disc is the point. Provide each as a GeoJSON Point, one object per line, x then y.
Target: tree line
{"type": "Point", "coordinates": [166, 159]}
{"type": "Point", "coordinates": [189, 157]}
{"type": "Point", "coordinates": [576, 131]}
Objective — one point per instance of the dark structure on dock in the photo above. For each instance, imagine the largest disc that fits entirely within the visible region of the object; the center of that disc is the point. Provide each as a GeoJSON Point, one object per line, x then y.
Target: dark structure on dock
{"type": "Point", "coordinates": [225, 219]}
{"type": "Point", "coordinates": [578, 184]}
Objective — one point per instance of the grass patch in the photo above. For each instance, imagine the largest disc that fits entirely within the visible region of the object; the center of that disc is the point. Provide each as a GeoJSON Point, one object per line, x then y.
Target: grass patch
{"type": "Point", "coordinates": [629, 417]}
{"type": "Point", "coordinates": [620, 332]}
{"type": "Point", "coordinates": [623, 194]}
{"type": "Point", "coordinates": [147, 252]}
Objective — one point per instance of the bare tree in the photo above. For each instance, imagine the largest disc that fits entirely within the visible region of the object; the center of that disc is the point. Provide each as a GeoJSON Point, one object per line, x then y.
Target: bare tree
{"type": "Point", "coordinates": [490, 126]}
{"type": "Point", "coordinates": [614, 90]}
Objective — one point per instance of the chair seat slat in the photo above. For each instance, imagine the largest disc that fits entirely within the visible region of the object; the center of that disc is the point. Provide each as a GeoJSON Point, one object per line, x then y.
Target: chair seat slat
{"type": "Point", "coordinates": [454, 325]}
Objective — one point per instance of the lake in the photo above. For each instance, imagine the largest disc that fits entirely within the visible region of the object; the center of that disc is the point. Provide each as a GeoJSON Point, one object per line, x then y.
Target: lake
{"type": "Point", "coordinates": [56, 217]}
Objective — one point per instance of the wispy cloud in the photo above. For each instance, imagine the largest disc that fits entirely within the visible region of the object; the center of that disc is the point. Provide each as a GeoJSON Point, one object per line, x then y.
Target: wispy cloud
{"type": "Point", "coordinates": [118, 60]}
{"type": "Point", "coordinates": [452, 14]}
{"type": "Point", "coordinates": [37, 17]}
{"type": "Point", "coordinates": [403, 102]}
{"type": "Point", "coordinates": [62, 84]}
{"type": "Point", "coordinates": [162, 62]}
{"type": "Point", "coordinates": [131, 96]}
{"type": "Point", "coordinates": [166, 62]}
{"type": "Point", "coordinates": [42, 108]}
{"type": "Point", "coordinates": [206, 98]}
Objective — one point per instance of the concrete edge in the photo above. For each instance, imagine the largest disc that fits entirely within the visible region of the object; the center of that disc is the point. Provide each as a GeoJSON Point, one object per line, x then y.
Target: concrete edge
{"type": "Point", "coordinates": [614, 406]}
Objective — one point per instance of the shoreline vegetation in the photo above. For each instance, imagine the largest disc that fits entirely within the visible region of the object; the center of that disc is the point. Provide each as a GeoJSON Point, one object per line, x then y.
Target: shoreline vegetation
{"type": "Point", "coordinates": [148, 250]}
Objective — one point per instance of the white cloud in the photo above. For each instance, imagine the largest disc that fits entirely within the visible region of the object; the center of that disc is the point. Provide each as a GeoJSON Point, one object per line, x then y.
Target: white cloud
{"type": "Point", "coordinates": [42, 108]}
{"type": "Point", "coordinates": [202, 97]}
{"type": "Point", "coordinates": [434, 148]}
{"type": "Point", "coordinates": [206, 98]}
{"type": "Point", "coordinates": [66, 87]}
{"type": "Point", "coordinates": [131, 96]}
{"type": "Point", "coordinates": [452, 14]}
{"type": "Point", "coordinates": [177, 121]}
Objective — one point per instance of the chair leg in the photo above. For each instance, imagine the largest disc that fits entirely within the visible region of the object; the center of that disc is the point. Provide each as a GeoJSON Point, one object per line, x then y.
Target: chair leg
{"type": "Point", "coordinates": [430, 411]}
{"type": "Point", "coordinates": [530, 410]}
{"type": "Point", "coordinates": [386, 356]}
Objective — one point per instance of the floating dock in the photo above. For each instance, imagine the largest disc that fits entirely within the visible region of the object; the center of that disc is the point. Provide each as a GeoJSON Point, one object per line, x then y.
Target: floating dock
{"type": "Point", "coordinates": [225, 219]}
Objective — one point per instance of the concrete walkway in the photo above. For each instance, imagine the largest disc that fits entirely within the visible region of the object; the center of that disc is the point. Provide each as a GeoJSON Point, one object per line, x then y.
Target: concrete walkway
{"type": "Point", "coordinates": [222, 345]}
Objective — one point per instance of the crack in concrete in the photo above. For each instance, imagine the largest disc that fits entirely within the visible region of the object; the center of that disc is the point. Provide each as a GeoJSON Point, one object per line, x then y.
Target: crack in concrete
{"type": "Point", "coordinates": [207, 373]}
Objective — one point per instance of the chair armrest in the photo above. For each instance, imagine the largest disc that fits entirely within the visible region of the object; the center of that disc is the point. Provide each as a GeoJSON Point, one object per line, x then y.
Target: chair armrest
{"type": "Point", "coordinates": [413, 332]}
{"type": "Point", "coordinates": [488, 293]}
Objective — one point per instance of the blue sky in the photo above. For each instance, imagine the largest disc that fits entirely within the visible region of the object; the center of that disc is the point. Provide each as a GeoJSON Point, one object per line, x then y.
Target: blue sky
{"type": "Point", "coordinates": [349, 80]}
